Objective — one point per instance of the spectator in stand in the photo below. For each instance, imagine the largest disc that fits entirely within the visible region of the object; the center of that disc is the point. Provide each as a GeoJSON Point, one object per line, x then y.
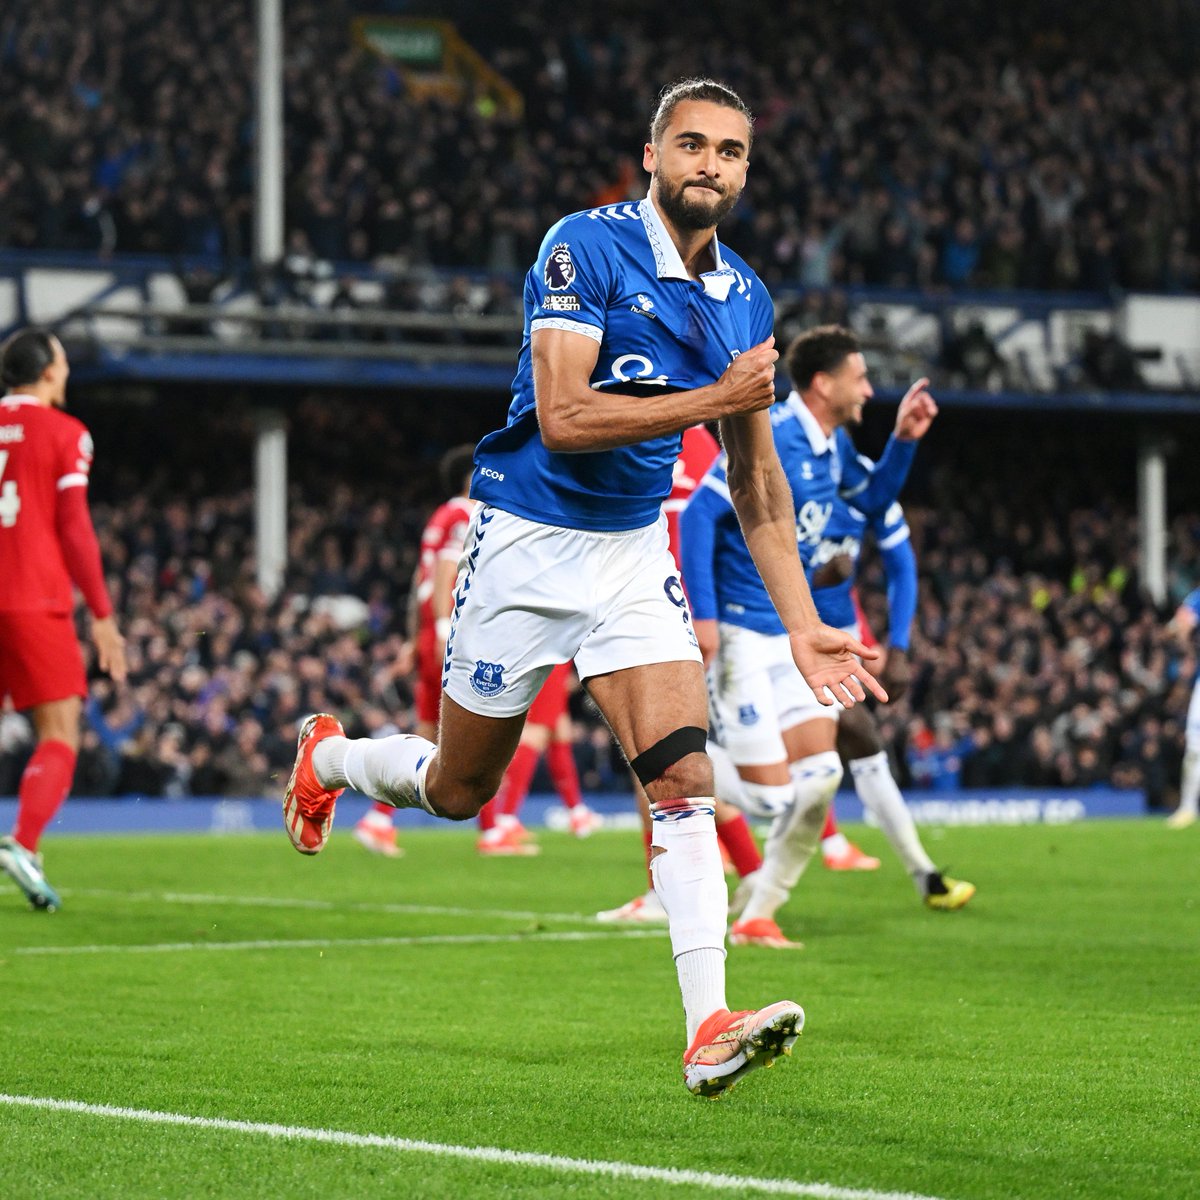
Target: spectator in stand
{"type": "Point", "coordinates": [950, 169]}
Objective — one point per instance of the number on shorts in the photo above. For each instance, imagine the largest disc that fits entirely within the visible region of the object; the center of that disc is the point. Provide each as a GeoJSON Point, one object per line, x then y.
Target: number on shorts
{"type": "Point", "coordinates": [10, 502]}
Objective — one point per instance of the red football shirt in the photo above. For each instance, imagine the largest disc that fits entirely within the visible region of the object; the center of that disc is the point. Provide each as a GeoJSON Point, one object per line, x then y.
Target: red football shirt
{"type": "Point", "coordinates": [699, 450]}
{"type": "Point", "coordinates": [443, 537]}
{"type": "Point", "coordinates": [43, 452]}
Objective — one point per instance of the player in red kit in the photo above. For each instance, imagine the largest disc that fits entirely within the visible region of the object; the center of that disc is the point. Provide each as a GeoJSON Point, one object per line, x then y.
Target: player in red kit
{"type": "Point", "coordinates": [733, 830]}
{"type": "Point", "coordinates": [441, 546]}
{"type": "Point", "coordinates": [47, 543]}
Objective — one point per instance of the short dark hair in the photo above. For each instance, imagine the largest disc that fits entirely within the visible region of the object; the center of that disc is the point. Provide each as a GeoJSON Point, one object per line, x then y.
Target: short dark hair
{"type": "Point", "coordinates": [25, 355]}
{"type": "Point", "coordinates": [676, 93]}
{"type": "Point", "coordinates": [824, 348]}
{"type": "Point", "coordinates": [455, 465]}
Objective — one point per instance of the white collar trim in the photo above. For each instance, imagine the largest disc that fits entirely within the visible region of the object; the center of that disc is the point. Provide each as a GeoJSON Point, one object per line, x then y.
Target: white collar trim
{"type": "Point", "coordinates": [20, 398]}
{"type": "Point", "coordinates": [667, 261]}
{"type": "Point", "coordinates": [816, 435]}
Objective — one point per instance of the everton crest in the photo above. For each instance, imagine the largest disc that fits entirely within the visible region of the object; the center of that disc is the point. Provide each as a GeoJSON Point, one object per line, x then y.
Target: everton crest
{"type": "Point", "coordinates": [488, 679]}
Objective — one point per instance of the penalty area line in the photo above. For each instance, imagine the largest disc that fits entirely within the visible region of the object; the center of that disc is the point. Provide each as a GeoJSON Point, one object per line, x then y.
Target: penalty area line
{"type": "Point", "coordinates": [432, 939]}
{"type": "Point", "coordinates": [492, 1154]}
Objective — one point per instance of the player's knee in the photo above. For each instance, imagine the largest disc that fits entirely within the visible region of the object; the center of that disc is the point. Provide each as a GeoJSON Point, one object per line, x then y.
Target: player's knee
{"type": "Point", "coordinates": [676, 766]}
{"type": "Point", "coordinates": [768, 800]}
{"type": "Point", "coordinates": [457, 805]}
{"type": "Point", "coordinates": [816, 778]}
{"type": "Point", "coordinates": [690, 777]}
{"type": "Point", "coordinates": [460, 799]}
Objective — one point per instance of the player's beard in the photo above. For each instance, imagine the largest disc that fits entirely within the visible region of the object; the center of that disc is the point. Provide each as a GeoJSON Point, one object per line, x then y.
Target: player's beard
{"type": "Point", "coordinates": [693, 216]}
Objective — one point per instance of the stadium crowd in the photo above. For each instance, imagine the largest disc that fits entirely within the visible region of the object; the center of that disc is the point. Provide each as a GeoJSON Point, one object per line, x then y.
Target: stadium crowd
{"type": "Point", "coordinates": [1036, 660]}
{"type": "Point", "coordinates": [910, 145]}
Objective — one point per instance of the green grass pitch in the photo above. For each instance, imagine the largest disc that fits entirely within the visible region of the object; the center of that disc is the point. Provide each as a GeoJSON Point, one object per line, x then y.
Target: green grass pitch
{"type": "Point", "coordinates": [1041, 1044]}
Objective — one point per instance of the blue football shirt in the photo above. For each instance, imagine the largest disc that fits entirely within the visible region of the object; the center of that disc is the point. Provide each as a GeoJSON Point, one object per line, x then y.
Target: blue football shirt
{"type": "Point", "coordinates": [721, 578]}
{"type": "Point", "coordinates": [614, 275]}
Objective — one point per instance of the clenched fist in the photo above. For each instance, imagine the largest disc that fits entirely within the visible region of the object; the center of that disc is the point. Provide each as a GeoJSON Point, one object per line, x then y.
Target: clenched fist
{"type": "Point", "coordinates": [749, 381]}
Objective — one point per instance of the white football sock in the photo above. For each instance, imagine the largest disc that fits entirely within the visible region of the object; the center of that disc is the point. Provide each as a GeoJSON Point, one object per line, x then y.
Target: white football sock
{"type": "Point", "coordinates": [702, 985]}
{"type": "Point", "coordinates": [1189, 788]}
{"type": "Point", "coordinates": [835, 845]}
{"type": "Point", "coordinates": [377, 820]}
{"type": "Point", "coordinates": [690, 883]}
{"type": "Point", "coordinates": [390, 769]}
{"type": "Point", "coordinates": [878, 792]}
{"type": "Point", "coordinates": [795, 835]}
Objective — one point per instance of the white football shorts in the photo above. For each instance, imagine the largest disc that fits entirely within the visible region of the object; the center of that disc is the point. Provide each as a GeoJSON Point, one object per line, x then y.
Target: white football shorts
{"type": "Point", "coordinates": [755, 692]}
{"type": "Point", "coordinates": [530, 596]}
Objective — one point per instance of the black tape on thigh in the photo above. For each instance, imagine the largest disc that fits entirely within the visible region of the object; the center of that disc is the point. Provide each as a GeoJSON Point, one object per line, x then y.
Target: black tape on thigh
{"type": "Point", "coordinates": [652, 763]}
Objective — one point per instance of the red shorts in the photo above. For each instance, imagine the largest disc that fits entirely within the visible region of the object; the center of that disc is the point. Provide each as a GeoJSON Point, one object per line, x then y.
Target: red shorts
{"type": "Point", "coordinates": [551, 702]}
{"type": "Point", "coordinates": [429, 676]}
{"type": "Point", "coordinates": [40, 659]}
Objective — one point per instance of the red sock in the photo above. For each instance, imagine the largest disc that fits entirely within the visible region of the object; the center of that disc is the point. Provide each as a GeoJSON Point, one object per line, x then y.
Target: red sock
{"type": "Point", "coordinates": [487, 814]}
{"type": "Point", "coordinates": [517, 779]}
{"type": "Point", "coordinates": [386, 809]}
{"type": "Point", "coordinates": [737, 839]}
{"type": "Point", "coordinates": [44, 786]}
{"type": "Point", "coordinates": [560, 762]}
{"type": "Point", "coordinates": [648, 837]}
{"type": "Point", "coordinates": [831, 828]}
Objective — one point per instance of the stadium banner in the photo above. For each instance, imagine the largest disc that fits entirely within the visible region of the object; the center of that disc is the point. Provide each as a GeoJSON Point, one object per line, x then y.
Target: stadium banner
{"type": "Point", "coordinates": [228, 815]}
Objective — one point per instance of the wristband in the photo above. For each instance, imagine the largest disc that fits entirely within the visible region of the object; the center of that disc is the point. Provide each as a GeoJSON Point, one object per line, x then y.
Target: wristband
{"type": "Point", "coordinates": [442, 628]}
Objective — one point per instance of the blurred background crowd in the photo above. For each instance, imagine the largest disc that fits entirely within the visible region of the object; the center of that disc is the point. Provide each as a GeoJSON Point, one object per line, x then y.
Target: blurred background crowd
{"type": "Point", "coordinates": [1037, 661]}
{"type": "Point", "coordinates": [907, 145]}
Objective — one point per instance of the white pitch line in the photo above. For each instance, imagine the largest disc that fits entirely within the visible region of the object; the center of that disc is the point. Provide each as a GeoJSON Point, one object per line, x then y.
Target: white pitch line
{"type": "Point", "coordinates": [493, 1154]}
{"type": "Point", "coordinates": [433, 939]}
{"type": "Point", "coordinates": [419, 910]}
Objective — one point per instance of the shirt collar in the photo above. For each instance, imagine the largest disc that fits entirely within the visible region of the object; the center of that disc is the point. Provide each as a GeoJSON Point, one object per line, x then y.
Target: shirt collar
{"type": "Point", "coordinates": [816, 435]}
{"type": "Point", "coordinates": [667, 262]}
{"type": "Point", "coordinates": [19, 398]}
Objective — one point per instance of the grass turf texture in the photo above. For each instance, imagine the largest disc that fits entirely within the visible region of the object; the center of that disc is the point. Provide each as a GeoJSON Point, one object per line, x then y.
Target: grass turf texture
{"type": "Point", "coordinates": [1039, 1044]}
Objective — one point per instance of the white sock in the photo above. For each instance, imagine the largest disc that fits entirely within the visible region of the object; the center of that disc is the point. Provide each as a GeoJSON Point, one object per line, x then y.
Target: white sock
{"type": "Point", "coordinates": [835, 845]}
{"type": "Point", "coordinates": [702, 984]}
{"type": "Point", "coordinates": [391, 769]}
{"type": "Point", "coordinates": [690, 883]}
{"type": "Point", "coordinates": [1189, 788]}
{"type": "Point", "coordinates": [878, 792]}
{"type": "Point", "coordinates": [795, 835]}
{"type": "Point", "coordinates": [376, 819]}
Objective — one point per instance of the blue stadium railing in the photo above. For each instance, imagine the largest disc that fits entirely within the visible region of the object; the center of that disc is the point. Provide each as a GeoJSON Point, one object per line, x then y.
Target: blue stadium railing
{"type": "Point", "coordinates": [146, 318]}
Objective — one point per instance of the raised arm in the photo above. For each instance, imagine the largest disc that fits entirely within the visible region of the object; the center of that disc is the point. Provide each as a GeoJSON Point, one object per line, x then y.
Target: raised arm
{"type": "Point", "coordinates": [872, 487]}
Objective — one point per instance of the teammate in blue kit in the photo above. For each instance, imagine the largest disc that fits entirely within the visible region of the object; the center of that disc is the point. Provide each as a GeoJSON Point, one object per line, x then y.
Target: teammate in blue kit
{"type": "Point", "coordinates": [780, 734]}
{"type": "Point", "coordinates": [1183, 625]}
{"type": "Point", "coordinates": [831, 577]}
{"type": "Point", "coordinates": [638, 325]}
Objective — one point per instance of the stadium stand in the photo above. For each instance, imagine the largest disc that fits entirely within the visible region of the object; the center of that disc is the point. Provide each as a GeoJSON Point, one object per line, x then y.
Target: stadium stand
{"type": "Point", "coordinates": [908, 147]}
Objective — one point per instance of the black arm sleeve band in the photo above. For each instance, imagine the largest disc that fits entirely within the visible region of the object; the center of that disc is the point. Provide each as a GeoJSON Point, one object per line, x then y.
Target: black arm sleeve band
{"type": "Point", "coordinates": [652, 763]}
